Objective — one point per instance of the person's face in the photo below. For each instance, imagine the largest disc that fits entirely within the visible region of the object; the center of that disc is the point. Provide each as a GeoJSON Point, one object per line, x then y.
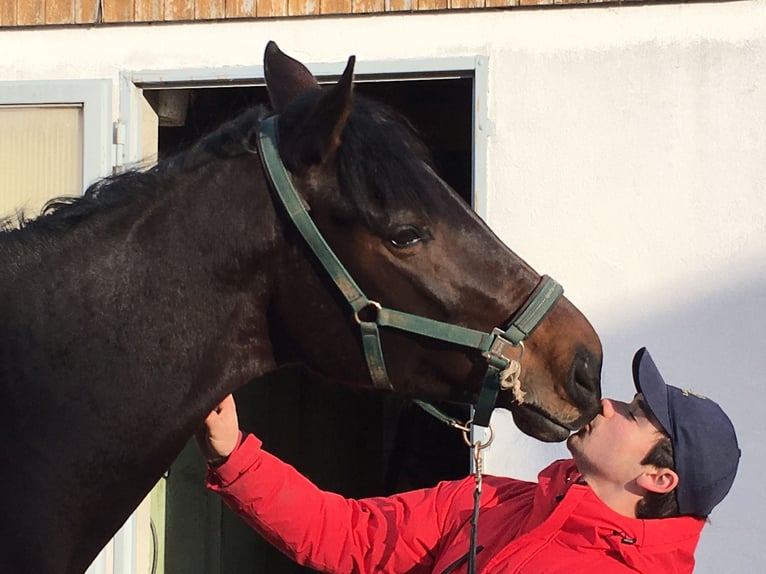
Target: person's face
{"type": "Point", "coordinates": [611, 447]}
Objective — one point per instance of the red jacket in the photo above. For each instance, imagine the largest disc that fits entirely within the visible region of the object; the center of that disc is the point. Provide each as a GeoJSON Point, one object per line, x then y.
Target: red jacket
{"type": "Point", "coordinates": [557, 525]}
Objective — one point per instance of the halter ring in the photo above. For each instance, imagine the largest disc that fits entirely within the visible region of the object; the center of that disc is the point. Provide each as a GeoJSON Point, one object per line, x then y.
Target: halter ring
{"type": "Point", "coordinates": [478, 444]}
{"type": "Point", "coordinates": [370, 305]}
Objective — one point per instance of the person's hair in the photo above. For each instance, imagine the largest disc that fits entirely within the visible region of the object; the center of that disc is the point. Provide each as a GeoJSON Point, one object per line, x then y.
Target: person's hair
{"type": "Point", "coordinates": [656, 504]}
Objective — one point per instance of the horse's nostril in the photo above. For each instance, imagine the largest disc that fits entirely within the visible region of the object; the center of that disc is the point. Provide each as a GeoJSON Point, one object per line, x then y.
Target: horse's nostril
{"type": "Point", "coordinates": [585, 381]}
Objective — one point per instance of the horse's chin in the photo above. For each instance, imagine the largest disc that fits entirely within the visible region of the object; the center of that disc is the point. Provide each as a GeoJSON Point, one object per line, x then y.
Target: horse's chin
{"type": "Point", "coordinates": [538, 424]}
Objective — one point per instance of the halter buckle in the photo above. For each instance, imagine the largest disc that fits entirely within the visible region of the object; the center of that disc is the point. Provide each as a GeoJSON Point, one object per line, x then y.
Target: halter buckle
{"type": "Point", "coordinates": [496, 355]}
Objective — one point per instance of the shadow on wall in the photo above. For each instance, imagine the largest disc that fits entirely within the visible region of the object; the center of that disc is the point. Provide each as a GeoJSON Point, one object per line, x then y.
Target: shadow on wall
{"type": "Point", "coordinates": [714, 345]}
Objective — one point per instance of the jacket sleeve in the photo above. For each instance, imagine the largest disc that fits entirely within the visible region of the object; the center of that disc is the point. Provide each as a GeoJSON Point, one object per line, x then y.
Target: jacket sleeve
{"type": "Point", "coordinates": [326, 531]}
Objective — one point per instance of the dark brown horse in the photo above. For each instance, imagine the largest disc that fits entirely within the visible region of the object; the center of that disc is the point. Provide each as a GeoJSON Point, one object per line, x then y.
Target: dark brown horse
{"type": "Point", "coordinates": [127, 314]}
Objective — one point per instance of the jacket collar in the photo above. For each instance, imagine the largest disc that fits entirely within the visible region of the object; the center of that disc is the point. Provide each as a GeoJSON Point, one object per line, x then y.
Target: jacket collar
{"type": "Point", "coordinates": [563, 502]}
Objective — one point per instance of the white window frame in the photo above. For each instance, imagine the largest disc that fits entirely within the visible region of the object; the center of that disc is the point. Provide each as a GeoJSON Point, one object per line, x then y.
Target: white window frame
{"type": "Point", "coordinates": [95, 97]}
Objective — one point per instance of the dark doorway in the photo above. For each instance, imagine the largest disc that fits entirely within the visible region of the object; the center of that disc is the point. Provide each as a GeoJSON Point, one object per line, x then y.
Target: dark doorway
{"type": "Point", "coordinates": [439, 109]}
{"type": "Point", "coordinates": [357, 443]}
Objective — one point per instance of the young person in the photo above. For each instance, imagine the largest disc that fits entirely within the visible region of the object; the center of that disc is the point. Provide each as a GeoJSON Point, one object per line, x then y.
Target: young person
{"type": "Point", "coordinates": [634, 497]}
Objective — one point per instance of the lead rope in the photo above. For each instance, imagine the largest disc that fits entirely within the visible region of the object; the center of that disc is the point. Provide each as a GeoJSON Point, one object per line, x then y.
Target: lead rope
{"type": "Point", "coordinates": [478, 462]}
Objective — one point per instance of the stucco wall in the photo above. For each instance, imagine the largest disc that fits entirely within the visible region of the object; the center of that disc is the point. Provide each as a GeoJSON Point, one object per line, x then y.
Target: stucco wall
{"type": "Point", "coordinates": [626, 160]}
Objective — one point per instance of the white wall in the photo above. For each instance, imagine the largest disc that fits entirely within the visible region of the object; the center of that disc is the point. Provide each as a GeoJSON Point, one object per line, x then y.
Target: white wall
{"type": "Point", "coordinates": [627, 161]}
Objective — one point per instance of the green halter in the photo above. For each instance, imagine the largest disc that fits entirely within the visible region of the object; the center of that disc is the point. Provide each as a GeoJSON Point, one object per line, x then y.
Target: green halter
{"type": "Point", "coordinates": [370, 315]}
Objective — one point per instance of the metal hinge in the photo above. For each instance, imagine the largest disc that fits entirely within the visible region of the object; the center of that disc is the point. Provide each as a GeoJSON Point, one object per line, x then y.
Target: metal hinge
{"type": "Point", "coordinates": [118, 139]}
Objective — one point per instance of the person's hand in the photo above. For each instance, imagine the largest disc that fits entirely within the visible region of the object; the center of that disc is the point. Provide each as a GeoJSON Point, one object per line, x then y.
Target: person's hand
{"type": "Point", "coordinates": [218, 435]}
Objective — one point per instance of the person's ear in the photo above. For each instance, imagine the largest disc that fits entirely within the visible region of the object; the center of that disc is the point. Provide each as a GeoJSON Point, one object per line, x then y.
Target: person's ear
{"type": "Point", "coordinates": [659, 480]}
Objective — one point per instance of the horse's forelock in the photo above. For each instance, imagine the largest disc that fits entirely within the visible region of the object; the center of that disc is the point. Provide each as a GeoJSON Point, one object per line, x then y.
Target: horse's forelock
{"type": "Point", "coordinates": [383, 166]}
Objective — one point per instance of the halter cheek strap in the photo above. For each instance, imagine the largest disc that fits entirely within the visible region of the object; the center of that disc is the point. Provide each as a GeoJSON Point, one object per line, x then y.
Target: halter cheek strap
{"type": "Point", "coordinates": [370, 315]}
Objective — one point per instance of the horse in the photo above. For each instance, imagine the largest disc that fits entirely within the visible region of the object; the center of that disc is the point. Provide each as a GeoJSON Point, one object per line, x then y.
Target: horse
{"type": "Point", "coordinates": [128, 313]}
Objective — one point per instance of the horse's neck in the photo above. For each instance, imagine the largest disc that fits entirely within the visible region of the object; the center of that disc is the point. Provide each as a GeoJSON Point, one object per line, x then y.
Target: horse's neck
{"type": "Point", "coordinates": [123, 334]}
{"type": "Point", "coordinates": [149, 288]}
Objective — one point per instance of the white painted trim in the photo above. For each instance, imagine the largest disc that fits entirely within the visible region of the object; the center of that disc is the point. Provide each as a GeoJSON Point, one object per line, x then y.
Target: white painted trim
{"type": "Point", "coordinates": [324, 72]}
{"type": "Point", "coordinates": [125, 547]}
{"type": "Point", "coordinates": [130, 117]}
{"type": "Point", "coordinates": [482, 129]}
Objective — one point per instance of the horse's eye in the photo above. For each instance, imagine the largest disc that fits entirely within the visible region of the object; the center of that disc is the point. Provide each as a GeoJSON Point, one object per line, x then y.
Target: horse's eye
{"type": "Point", "coordinates": [406, 237]}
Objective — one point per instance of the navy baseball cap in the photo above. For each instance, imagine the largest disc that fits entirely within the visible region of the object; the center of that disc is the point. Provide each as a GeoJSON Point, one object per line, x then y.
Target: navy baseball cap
{"type": "Point", "coordinates": [705, 447]}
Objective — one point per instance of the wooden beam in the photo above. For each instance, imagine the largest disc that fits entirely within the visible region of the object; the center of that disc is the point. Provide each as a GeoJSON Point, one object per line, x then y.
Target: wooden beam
{"type": "Point", "coordinates": [303, 7]}
{"type": "Point", "coordinates": [431, 4]}
{"type": "Point", "coordinates": [7, 12]}
{"type": "Point", "coordinates": [59, 11]}
{"type": "Point", "coordinates": [179, 10]}
{"type": "Point", "coordinates": [118, 10]}
{"type": "Point", "coordinates": [149, 11]}
{"type": "Point", "coordinates": [401, 5]}
{"type": "Point", "coordinates": [368, 6]}
{"type": "Point", "coordinates": [267, 8]}
{"type": "Point", "coordinates": [335, 7]}
{"type": "Point", "coordinates": [30, 12]}
{"type": "Point", "coordinates": [241, 8]}
{"type": "Point", "coordinates": [85, 11]}
{"type": "Point", "coordinates": [209, 9]}
{"type": "Point", "coordinates": [466, 4]}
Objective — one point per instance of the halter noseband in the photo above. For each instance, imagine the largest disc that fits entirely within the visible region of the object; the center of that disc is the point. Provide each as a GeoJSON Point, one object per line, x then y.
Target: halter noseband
{"type": "Point", "coordinates": [370, 315]}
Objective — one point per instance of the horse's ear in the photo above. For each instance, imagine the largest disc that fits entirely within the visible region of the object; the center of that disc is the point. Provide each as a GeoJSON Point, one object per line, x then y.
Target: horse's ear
{"type": "Point", "coordinates": [286, 78]}
{"type": "Point", "coordinates": [317, 137]}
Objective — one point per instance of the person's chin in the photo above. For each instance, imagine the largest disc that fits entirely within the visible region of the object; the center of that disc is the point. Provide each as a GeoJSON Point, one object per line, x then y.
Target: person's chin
{"type": "Point", "coordinates": [575, 441]}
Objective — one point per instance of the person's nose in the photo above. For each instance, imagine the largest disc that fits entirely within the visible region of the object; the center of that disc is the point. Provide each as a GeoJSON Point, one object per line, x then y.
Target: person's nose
{"type": "Point", "coordinates": [607, 408]}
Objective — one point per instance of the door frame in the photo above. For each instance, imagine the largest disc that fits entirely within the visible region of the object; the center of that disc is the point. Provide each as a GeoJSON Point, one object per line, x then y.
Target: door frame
{"type": "Point", "coordinates": [130, 139]}
{"type": "Point", "coordinates": [132, 84]}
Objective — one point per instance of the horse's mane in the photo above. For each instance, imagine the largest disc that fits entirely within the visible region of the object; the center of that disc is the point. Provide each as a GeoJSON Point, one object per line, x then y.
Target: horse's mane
{"type": "Point", "coordinates": [379, 152]}
{"type": "Point", "coordinates": [63, 213]}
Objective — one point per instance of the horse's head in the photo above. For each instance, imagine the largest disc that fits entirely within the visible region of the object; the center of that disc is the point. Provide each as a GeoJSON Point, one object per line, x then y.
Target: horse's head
{"type": "Point", "coordinates": [411, 244]}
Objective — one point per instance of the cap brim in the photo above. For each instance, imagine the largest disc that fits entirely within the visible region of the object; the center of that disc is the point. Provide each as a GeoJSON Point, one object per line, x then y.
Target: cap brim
{"type": "Point", "coordinates": [649, 382]}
